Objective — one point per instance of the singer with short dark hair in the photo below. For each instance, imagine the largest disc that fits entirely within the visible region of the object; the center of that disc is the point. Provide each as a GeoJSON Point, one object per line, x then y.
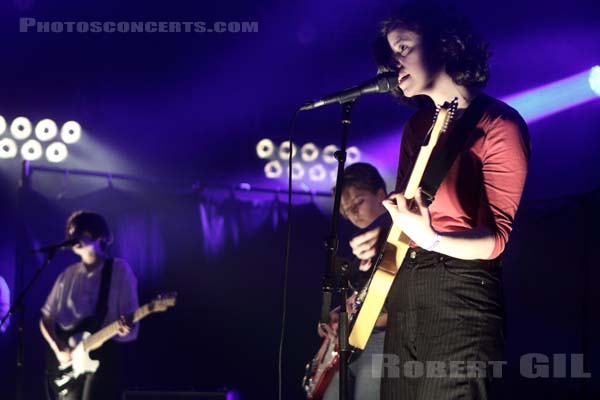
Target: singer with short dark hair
{"type": "Point", "coordinates": [445, 305]}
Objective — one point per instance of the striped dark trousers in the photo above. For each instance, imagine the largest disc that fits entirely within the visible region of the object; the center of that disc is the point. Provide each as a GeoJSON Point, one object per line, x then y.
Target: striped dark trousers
{"type": "Point", "coordinates": [445, 328]}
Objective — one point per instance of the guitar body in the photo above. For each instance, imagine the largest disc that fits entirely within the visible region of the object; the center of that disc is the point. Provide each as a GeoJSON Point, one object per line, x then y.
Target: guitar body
{"type": "Point", "coordinates": [322, 368]}
{"type": "Point", "coordinates": [62, 378]}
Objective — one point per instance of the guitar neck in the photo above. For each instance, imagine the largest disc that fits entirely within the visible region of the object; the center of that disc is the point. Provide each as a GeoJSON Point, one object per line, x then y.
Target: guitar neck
{"type": "Point", "coordinates": [397, 242]}
{"type": "Point", "coordinates": [109, 331]}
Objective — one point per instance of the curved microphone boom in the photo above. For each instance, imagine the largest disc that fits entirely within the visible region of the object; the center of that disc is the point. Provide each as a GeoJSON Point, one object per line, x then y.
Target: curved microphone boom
{"type": "Point", "coordinates": [382, 83]}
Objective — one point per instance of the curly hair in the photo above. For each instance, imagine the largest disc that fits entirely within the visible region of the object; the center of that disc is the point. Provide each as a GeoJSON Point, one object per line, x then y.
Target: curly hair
{"type": "Point", "coordinates": [448, 40]}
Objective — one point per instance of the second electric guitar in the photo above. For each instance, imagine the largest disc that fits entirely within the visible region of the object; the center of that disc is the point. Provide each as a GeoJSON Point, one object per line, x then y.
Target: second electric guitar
{"type": "Point", "coordinates": [62, 376]}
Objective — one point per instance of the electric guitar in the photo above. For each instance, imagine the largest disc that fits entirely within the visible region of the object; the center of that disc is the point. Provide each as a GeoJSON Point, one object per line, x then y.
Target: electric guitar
{"type": "Point", "coordinates": [397, 243]}
{"type": "Point", "coordinates": [62, 377]}
{"type": "Point", "coordinates": [320, 370]}
{"type": "Point", "coordinates": [369, 301]}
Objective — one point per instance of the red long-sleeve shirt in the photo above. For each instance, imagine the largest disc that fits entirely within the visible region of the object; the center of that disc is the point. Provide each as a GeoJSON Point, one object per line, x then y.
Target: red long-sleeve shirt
{"type": "Point", "coordinates": [484, 185]}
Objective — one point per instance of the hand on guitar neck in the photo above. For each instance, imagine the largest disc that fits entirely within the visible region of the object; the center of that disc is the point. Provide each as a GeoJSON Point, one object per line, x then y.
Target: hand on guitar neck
{"type": "Point", "coordinates": [125, 326]}
{"type": "Point", "coordinates": [411, 216]}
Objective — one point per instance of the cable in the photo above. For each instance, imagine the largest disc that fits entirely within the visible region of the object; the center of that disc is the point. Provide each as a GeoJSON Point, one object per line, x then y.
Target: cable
{"type": "Point", "coordinates": [286, 263]}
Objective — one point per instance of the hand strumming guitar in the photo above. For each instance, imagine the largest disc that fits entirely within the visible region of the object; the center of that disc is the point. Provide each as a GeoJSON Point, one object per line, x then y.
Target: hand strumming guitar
{"type": "Point", "coordinates": [364, 247]}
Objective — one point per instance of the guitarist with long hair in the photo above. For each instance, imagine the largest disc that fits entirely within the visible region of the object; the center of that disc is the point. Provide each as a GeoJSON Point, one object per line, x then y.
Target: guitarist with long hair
{"type": "Point", "coordinates": [87, 296]}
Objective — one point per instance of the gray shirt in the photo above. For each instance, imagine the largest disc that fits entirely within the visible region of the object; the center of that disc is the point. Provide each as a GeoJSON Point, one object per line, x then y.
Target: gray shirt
{"type": "Point", "coordinates": [75, 294]}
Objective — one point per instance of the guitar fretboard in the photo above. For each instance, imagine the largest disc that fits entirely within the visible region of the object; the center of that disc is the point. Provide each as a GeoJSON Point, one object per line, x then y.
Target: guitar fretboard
{"type": "Point", "coordinates": [111, 330]}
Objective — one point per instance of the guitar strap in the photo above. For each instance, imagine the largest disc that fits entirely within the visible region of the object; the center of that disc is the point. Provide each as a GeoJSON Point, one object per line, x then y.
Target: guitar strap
{"type": "Point", "coordinates": [102, 304]}
{"type": "Point", "coordinates": [439, 165]}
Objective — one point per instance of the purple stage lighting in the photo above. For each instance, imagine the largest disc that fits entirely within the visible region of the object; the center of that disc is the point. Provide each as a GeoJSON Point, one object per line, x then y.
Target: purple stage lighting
{"type": "Point", "coordinates": [540, 102]}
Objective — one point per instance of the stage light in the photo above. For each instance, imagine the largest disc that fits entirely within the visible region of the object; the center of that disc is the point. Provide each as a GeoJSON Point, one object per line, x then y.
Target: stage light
{"type": "Point", "coordinates": [328, 153]}
{"type": "Point", "coordinates": [284, 150]}
{"type": "Point", "coordinates": [8, 148]}
{"type": "Point", "coordinates": [70, 132]}
{"type": "Point", "coordinates": [46, 130]}
{"type": "Point", "coordinates": [540, 102]}
{"type": "Point", "coordinates": [56, 152]}
{"type": "Point", "coordinates": [317, 173]}
{"type": "Point", "coordinates": [297, 171]}
{"type": "Point", "coordinates": [20, 128]}
{"type": "Point", "coordinates": [2, 125]}
{"type": "Point", "coordinates": [352, 155]}
{"type": "Point", "coordinates": [31, 150]}
{"type": "Point", "coordinates": [273, 169]}
{"type": "Point", "coordinates": [594, 79]}
{"type": "Point", "coordinates": [309, 152]}
{"type": "Point", "coordinates": [265, 148]}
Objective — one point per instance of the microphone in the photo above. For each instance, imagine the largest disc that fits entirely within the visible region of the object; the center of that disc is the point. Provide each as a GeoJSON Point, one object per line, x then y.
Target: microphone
{"type": "Point", "coordinates": [382, 83]}
{"type": "Point", "coordinates": [52, 248]}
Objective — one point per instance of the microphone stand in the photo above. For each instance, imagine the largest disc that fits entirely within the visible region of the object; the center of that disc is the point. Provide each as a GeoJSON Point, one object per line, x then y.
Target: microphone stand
{"type": "Point", "coordinates": [330, 270]}
{"type": "Point", "coordinates": [20, 305]}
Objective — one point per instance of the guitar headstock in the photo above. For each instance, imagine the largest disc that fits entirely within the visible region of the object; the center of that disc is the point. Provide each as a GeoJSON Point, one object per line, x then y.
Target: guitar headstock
{"type": "Point", "coordinates": [444, 116]}
{"type": "Point", "coordinates": [447, 111]}
{"type": "Point", "coordinates": [162, 302]}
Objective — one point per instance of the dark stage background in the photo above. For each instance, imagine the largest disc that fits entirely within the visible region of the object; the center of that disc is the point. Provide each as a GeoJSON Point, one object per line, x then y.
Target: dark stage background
{"type": "Point", "coordinates": [183, 108]}
{"type": "Point", "coordinates": [223, 255]}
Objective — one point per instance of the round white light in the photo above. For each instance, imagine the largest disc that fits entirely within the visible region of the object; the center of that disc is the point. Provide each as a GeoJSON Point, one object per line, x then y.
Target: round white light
{"type": "Point", "coordinates": [46, 130]}
{"type": "Point", "coordinates": [352, 154]}
{"type": "Point", "coordinates": [70, 132]}
{"type": "Point", "coordinates": [8, 148]}
{"type": "Point", "coordinates": [328, 153]}
{"type": "Point", "coordinates": [284, 150]}
{"type": "Point", "coordinates": [265, 148]}
{"type": "Point", "coordinates": [273, 169]}
{"type": "Point", "coordinates": [2, 125]}
{"type": "Point", "coordinates": [309, 152]}
{"type": "Point", "coordinates": [31, 150]}
{"type": "Point", "coordinates": [297, 171]}
{"type": "Point", "coordinates": [56, 152]}
{"type": "Point", "coordinates": [20, 128]}
{"type": "Point", "coordinates": [317, 173]}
